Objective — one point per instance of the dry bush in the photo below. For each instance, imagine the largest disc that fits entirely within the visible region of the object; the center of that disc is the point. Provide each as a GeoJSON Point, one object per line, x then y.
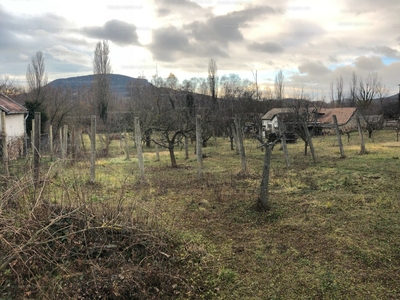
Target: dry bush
{"type": "Point", "coordinates": [85, 250]}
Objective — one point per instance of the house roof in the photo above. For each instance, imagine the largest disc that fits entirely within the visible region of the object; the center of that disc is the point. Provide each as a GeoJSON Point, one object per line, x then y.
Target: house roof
{"type": "Point", "coordinates": [10, 106]}
{"type": "Point", "coordinates": [343, 115]}
{"type": "Point", "coordinates": [276, 111]}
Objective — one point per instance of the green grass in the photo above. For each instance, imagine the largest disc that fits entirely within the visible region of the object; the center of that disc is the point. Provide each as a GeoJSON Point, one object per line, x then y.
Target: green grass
{"type": "Point", "coordinates": [333, 231]}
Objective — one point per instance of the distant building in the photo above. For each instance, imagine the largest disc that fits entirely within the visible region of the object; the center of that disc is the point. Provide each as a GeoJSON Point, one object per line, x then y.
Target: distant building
{"type": "Point", "coordinates": [270, 120]}
{"type": "Point", "coordinates": [346, 117]}
{"type": "Point", "coordinates": [14, 125]}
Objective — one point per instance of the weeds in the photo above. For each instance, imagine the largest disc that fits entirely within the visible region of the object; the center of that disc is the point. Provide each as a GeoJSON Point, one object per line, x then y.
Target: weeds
{"type": "Point", "coordinates": [332, 231]}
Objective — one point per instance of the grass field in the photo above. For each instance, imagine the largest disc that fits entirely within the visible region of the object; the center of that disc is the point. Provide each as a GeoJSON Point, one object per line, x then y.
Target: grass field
{"type": "Point", "coordinates": [333, 230]}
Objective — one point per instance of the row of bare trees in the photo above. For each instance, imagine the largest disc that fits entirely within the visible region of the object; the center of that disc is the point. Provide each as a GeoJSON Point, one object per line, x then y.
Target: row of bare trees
{"type": "Point", "coordinates": [361, 91]}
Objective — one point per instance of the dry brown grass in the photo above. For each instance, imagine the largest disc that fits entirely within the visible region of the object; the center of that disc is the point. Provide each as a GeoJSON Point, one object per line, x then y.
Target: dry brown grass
{"type": "Point", "coordinates": [333, 231]}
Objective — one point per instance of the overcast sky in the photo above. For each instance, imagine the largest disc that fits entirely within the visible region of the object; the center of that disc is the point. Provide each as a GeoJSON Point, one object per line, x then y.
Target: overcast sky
{"type": "Point", "coordinates": [313, 42]}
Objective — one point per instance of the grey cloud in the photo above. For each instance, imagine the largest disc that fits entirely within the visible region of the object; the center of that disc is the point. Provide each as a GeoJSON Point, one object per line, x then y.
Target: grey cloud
{"type": "Point", "coordinates": [162, 12]}
{"type": "Point", "coordinates": [372, 63]}
{"type": "Point", "coordinates": [268, 47]}
{"type": "Point", "coordinates": [185, 3]}
{"type": "Point", "coordinates": [119, 32]}
{"type": "Point", "coordinates": [226, 28]}
{"type": "Point", "coordinates": [186, 9]}
{"type": "Point", "coordinates": [314, 69]}
{"type": "Point", "coordinates": [63, 53]}
{"type": "Point", "coordinates": [170, 44]}
{"type": "Point", "coordinates": [333, 59]}
{"type": "Point", "coordinates": [209, 50]}
{"type": "Point", "coordinates": [384, 50]}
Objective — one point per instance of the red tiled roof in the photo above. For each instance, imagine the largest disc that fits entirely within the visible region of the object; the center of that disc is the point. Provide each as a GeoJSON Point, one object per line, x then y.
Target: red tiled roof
{"type": "Point", "coordinates": [343, 115]}
{"type": "Point", "coordinates": [9, 106]}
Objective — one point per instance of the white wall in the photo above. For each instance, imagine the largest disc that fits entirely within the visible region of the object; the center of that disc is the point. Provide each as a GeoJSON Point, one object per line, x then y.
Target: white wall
{"type": "Point", "coordinates": [15, 126]}
{"type": "Point", "coordinates": [271, 125]}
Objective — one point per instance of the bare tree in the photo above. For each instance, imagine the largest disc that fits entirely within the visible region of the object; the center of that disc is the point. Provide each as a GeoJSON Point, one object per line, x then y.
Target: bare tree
{"type": "Point", "coordinates": [268, 94]}
{"type": "Point", "coordinates": [213, 79]}
{"type": "Point", "coordinates": [258, 92]}
{"type": "Point", "coordinates": [367, 90]}
{"type": "Point", "coordinates": [353, 90]}
{"type": "Point", "coordinates": [59, 106]}
{"type": "Point", "coordinates": [172, 81]}
{"type": "Point", "coordinates": [303, 115]}
{"type": "Point", "coordinates": [37, 92]}
{"type": "Point", "coordinates": [382, 93]}
{"type": "Point", "coordinates": [332, 94]}
{"type": "Point", "coordinates": [279, 85]}
{"type": "Point", "coordinates": [339, 90]}
{"type": "Point", "coordinates": [102, 70]}
{"type": "Point", "coordinates": [9, 87]}
{"type": "Point", "coordinates": [203, 88]}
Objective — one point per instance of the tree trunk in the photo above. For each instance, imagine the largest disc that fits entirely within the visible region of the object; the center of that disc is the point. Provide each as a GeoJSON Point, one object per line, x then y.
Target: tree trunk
{"type": "Point", "coordinates": [199, 150]}
{"type": "Point", "coordinates": [305, 148]}
{"type": "Point", "coordinates": [231, 139]}
{"type": "Point", "coordinates": [339, 137]}
{"type": "Point", "coordinates": [309, 140]}
{"type": "Point", "coordinates": [186, 141]}
{"type": "Point", "coordinates": [362, 149]}
{"type": "Point", "coordinates": [264, 197]}
{"type": "Point", "coordinates": [172, 155]}
{"type": "Point", "coordinates": [241, 145]}
{"type": "Point", "coordinates": [147, 137]}
{"type": "Point", "coordinates": [281, 128]}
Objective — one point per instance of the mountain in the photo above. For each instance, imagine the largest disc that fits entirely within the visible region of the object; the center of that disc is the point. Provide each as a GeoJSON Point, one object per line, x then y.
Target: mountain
{"type": "Point", "coordinates": [118, 83]}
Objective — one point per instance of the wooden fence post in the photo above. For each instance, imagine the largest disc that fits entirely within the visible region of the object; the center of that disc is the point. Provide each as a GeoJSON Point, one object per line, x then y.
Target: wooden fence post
{"type": "Point", "coordinates": [93, 149]}
{"type": "Point", "coordinates": [73, 143]}
{"type": "Point", "coordinates": [338, 135]}
{"type": "Point", "coordinates": [242, 152]}
{"type": "Point", "coordinates": [138, 138]}
{"type": "Point", "coordinates": [36, 150]}
{"type": "Point", "coordinates": [186, 141]}
{"type": "Point", "coordinates": [235, 137]}
{"type": "Point", "coordinates": [4, 144]}
{"type": "Point", "coordinates": [51, 142]}
{"type": "Point", "coordinates": [65, 141]}
{"type": "Point", "coordinates": [33, 137]}
{"type": "Point", "coordinates": [126, 137]}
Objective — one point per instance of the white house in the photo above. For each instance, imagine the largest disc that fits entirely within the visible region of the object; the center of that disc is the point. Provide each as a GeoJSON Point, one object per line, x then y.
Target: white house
{"type": "Point", "coordinates": [270, 120]}
{"type": "Point", "coordinates": [346, 117]}
{"type": "Point", "coordinates": [14, 124]}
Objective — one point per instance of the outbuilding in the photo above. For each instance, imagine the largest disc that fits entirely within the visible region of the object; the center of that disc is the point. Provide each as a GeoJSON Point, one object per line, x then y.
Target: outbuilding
{"type": "Point", "coordinates": [14, 125]}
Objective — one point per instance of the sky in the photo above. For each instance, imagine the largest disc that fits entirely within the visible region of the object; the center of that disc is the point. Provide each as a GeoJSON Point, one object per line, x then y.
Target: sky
{"type": "Point", "coordinates": [312, 42]}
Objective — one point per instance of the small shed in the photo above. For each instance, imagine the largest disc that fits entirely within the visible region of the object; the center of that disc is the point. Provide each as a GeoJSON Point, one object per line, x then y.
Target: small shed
{"type": "Point", "coordinates": [14, 125]}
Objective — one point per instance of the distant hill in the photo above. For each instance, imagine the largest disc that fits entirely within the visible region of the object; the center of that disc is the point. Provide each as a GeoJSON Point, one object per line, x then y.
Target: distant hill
{"type": "Point", "coordinates": [118, 82]}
